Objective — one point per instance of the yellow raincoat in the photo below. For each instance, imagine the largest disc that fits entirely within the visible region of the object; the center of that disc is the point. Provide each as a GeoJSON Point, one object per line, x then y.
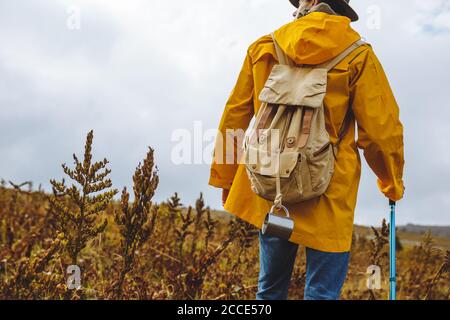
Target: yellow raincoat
{"type": "Point", "coordinates": [359, 82]}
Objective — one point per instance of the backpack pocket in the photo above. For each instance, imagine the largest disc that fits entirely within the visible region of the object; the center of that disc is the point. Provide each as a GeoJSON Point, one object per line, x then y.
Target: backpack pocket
{"type": "Point", "coordinates": [321, 168]}
{"type": "Point", "coordinates": [265, 187]}
{"type": "Point", "coordinates": [263, 179]}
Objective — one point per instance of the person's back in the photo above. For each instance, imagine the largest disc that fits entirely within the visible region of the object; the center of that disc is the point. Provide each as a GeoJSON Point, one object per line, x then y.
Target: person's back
{"type": "Point", "coordinates": [324, 225]}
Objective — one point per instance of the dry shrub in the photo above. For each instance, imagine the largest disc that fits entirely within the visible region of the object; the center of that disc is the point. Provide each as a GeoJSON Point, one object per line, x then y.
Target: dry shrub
{"type": "Point", "coordinates": [79, 208]}
{"type": "Point", "coordinates": [137, 221]}
{"type": "Point", "coordinates": [137, 249]}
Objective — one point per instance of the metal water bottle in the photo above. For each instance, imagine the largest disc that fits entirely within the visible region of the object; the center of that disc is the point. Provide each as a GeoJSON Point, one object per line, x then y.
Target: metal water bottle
{"type": "Point", "coordinates": [277, 225]}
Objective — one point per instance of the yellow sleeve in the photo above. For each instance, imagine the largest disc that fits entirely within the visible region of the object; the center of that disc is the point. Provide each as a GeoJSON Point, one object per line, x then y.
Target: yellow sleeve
{"type": "Point", "coordinates": [237, 115]}
{"type": "Point", "coordinates": [380, 132]}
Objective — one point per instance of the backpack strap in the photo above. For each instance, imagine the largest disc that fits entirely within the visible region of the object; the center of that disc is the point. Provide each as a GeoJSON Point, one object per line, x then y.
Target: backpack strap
{"type": "Point", "coordinates": [281, 56]}
{"type": "Point", "coordinates": [306, 127]}
{"type": "Point", "coordinates": [266, 111]}
{"type": "Point", "coordinates": [308, 113]}
{"type": "Point", "coordinates": [329, 65]}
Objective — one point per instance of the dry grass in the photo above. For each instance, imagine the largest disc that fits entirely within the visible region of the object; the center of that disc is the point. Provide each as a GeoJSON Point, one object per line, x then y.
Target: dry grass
{"type": "Point", "coordinates": [141, 250]}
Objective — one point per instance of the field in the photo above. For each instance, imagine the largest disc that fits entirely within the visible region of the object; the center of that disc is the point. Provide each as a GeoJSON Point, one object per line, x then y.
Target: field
{"type": "Point", "coordinates": [137, 249]}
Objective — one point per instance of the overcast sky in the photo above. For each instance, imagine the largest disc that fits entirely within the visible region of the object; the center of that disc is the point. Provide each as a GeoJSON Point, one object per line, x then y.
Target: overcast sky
{"type": "Point", "coordinates": [135, 71]}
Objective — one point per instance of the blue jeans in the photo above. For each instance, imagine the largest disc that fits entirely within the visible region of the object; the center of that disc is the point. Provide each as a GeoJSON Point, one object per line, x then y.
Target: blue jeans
{"type": "Point", "coordinates": [325, 272]}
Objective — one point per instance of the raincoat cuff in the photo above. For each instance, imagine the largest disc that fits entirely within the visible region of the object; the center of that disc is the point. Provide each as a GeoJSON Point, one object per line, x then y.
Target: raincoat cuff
{"type": "Point", "coordinates": [392, 191]}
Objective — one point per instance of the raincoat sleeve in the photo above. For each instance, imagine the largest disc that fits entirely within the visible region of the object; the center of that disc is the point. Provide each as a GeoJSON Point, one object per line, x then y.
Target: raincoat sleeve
{"type": "Point", "coordinates": [380, 132]}
{"type": "Point", "coordinates": [235, 120]}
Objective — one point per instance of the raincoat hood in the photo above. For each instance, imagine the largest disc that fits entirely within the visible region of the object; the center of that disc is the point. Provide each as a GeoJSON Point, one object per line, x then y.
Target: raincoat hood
{"type": "Point", "coordinates": [316, 37]}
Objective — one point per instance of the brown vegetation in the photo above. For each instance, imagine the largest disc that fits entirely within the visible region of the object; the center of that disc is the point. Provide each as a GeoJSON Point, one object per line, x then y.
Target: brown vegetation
{"type": "Point", "coordinates": [137, 249]}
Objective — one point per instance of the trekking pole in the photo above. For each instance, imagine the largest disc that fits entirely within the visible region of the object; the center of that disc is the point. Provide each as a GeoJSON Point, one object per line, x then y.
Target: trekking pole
{"type": "Point", "coordinates": [392, 240]}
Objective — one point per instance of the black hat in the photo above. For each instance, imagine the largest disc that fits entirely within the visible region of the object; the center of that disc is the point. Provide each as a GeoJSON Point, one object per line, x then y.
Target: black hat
{"type": "Point", "coordinates": [340, 6]}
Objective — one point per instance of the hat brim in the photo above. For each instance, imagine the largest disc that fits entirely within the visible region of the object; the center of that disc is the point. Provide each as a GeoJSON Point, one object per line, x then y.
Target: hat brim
{"type": "Point", "coordinates": [340, 6]}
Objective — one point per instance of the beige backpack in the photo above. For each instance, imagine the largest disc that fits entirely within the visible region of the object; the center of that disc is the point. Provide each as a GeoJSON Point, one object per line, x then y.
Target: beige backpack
{"type": "Point", "coordinates": [288, 154]}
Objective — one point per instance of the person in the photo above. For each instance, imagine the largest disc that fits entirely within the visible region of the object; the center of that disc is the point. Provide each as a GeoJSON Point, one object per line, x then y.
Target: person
{"type": "Point", "coordinates": [324, 225]}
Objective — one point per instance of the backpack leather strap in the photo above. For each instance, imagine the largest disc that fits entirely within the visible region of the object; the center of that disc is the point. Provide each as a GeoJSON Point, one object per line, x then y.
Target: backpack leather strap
{"type": "Point", "coordinates": [265, 116]}
{"type": "Point", "coordinates": [296, 121]}
{"type": "Point", "coordinates": [306, 127]}
{"type": "Point", "coordinates": [267, 111]}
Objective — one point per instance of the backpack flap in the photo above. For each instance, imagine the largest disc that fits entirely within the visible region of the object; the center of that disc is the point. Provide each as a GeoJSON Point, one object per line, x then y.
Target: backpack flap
{"type": "Point", "coordinates": [295, 86]}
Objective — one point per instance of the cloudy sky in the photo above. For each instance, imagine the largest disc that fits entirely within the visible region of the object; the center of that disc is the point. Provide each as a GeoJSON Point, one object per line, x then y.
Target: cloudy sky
{"type": "Point", "coordinates": [137, 71]}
